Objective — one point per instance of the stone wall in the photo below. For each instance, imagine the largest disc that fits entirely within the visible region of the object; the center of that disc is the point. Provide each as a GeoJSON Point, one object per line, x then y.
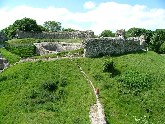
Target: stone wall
{"type": "Point", "coordinates": [55, 47]}
{"type": "Point", "coordinates": [56, 35]}
{"type": "Point", "coordinates": [3, 63]}
{"type": "Point", "coordinates": [2, 37]}
{"type": "Point", "coordinates": [94, 47]}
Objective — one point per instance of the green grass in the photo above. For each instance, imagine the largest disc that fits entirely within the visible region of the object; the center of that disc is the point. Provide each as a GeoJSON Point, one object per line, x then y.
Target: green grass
{"type": "Point", "coordinates": [132, 87]}
{"type": "Point", "coordinates": [77, 53]}
{"type": "Point", "coordinates": [32, 40]}
{"type": "Point", "coordinates": [132, 90]}
{"type": "Point", "coordinates": [44, 93]}
{"type": "Point", "coordinates": [21, 47]}
{"type": "Point", "coordinates": [12, 58]}
{"type": "Point", "coordinates": [60, 40]}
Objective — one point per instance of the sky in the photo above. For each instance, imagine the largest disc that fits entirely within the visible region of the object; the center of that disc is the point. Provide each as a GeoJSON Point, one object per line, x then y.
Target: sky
{"type": "Point", "coordinates": [96, 15]}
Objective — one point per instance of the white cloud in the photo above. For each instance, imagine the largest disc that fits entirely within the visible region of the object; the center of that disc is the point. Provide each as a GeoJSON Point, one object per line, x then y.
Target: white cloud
{"type": "Point", "coordinates": [109, 15]}
{"type": "Point", "coordinates": [89, 5]}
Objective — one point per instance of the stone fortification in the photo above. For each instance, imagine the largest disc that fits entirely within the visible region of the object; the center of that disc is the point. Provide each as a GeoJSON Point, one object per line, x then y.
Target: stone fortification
{"type": "Point", "coordinates": [56, 35]}
{"type": "Point", "coordinates": [3, 63]}
{"type": "Point", "coordinates": [94, 47]}
{"type": "Point", "coordinates": [2, 37]}
{"type": "Point", "coordinates": [55, 47]}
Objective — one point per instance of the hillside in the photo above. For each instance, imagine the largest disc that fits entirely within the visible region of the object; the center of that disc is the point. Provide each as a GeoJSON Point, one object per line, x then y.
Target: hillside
{"type": "Point", "coordinates": [131, 90]}
{"type": "Point", "coordinates": [44, 92]}
{"type": "Point", "coordinates": [131, 87]}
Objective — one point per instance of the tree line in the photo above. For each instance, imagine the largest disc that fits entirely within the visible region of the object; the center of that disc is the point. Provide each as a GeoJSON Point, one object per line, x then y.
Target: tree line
{"type": "Point", "coordinates": [154, 39]}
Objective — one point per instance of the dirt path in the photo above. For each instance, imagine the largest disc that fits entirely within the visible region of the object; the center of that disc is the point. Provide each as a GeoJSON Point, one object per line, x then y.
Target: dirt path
{"type": "Point", "coordinates": [96, 113]}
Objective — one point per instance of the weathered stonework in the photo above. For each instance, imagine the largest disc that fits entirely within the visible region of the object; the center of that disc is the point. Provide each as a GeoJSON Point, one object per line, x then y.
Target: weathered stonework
{"type": "Point", "coordinates": [3, 63]}
{"type": "Point", "coordinates": [2, 37]}
{"type": "Point", "coordinates": [120, 33]}
{"type": "Point", "coordinates": [56, 35]}
{"type": "Point", "coordinates": [55, 47]}
{"type": "Point", "coordinates": [94, 47]}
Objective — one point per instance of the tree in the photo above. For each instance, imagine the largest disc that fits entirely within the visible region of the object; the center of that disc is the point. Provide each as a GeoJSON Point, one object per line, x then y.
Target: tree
{"type": "Point", "coordinates": [68, 29]}
{"type": "Point", "coordinates": [137, 32]}
{"type": "Point", "coordinates": [25, 24]}
{"type": "Point", "coordinates": [162, 48]}
{"type": "Point", "coordinates": [52, 26]}
{"type": "Point", "coordinates": [107, 33]}
{"type": "Point", "coordinates": [157, 40]}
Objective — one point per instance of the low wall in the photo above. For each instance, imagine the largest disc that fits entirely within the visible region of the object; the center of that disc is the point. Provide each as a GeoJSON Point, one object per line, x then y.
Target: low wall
{"type": "Point", "coordinates": [56, 35]}
{"type": "Point", "coordinates": [2, 37]}
{"type": "Point", "coordinates": [94, 47]}
{"type": "Point", "coordinates": [3, 63]}
{"type": "Point", "coordinates": [53, 47]}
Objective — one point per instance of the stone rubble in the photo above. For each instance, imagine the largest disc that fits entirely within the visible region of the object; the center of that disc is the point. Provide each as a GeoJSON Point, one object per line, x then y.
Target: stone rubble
{"type": "Point", "coordinates": [55, 47]}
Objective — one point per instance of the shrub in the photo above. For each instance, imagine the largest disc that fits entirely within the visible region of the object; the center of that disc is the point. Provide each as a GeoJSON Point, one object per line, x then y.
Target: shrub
{"type": "Point", "coordinates": [50, 86]}
{"type": "Point", "coordinates": [162, 48]}
{"type": "Point", "coordinates": [108, 66]}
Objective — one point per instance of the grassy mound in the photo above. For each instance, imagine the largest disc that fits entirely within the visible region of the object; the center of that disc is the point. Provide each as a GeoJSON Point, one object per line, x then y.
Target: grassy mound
{"type": "Point", "coordinates": [25, 47]}
{"type": "Point", "coordinates": [45, 93]}
{"type": "Point", "coordinates": [12, 58]}
{"type": "Point", "coordinates": [131, 87]}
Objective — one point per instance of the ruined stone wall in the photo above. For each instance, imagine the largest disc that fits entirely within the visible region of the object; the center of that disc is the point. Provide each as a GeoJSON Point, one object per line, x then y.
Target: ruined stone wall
{"type": "Point", "coordinates": [3, 63]}
{"type": "Point", "coordinates": [94, 47]}
{"type": "Point", "coordinates": [2, 37]}
{"type": "Point", "coordinates": [54, 47]}
{"type": "Point", "coordinates": [56, 35]}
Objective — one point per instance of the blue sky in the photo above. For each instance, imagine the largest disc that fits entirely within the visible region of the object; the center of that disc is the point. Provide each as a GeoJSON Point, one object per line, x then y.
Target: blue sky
{"type": "Point", "coordinates": [96, 15]}
{"type": "Point", "coordinates": [76, 5]}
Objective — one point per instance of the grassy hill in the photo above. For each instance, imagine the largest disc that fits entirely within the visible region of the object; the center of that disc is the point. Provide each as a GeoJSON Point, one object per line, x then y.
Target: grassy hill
{"type": "Point", "coordinates": [132, 87]}
{"type": "Point", "coordinates": [132, 90]}
{"type": "Point", "coordinates": [12, 58]}
{"type": "Point", "coordinates": [44, 93]}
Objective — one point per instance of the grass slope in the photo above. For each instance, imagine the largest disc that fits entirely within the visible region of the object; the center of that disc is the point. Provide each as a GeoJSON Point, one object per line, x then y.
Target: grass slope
{"type": "Point", "coordinates": [44, 93]}
{"type": "Point", "coordinates": [132, 87]}
{"type": "Point", "coordinates": [12, 58]}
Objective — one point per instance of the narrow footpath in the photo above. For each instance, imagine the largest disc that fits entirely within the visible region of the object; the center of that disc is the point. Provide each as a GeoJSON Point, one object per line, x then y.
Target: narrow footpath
{"type": "Point", "coordinates": [96, 113]}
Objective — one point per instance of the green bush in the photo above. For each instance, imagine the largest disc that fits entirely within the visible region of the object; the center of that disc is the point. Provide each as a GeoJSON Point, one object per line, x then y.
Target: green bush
{"type": "Point", "coordinates": [108, 66]}
{"type": "Point", "coordinates": [162, 48]}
